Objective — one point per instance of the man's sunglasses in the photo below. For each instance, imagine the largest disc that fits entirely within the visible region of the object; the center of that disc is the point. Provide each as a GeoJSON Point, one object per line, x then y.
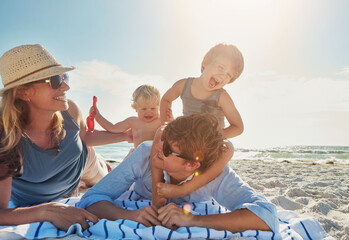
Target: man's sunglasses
{"type": "Point", "coordinates": [55, 82]}
{"type": "Point", "coordinates": [166, 149]}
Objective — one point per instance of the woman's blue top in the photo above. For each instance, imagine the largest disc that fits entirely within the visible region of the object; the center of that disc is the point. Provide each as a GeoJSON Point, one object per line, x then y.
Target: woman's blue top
{"type": "Point", "coordinates": [47, 176]}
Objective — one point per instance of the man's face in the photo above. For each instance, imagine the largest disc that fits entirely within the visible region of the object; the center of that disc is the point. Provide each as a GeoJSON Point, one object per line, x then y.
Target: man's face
{"type": "Point", "coordinates": [174, 165]}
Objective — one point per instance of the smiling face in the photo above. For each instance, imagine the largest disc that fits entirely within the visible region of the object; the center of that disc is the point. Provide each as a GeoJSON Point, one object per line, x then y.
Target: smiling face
{"type": "Point", "coordinates": [177, 167]}
{"type": "Point", "coordinates": [147, 111]}
{"type": "Point", "coordinates": [218, 71]}
{"type": "Point", "coordinates": [222, 64]}
{"type": "Point", "coordinates": [40, 96]}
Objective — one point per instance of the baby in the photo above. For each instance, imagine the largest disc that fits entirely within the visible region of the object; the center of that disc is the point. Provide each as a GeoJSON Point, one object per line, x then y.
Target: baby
{"type": "Point", "coordinates": [146, 101]}
{"type": "Point", "coordinates": [221, 65]}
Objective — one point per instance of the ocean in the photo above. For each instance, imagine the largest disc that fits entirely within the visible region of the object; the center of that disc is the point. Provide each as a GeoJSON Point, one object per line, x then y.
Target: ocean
{"type": "Point", "coordinates": [295, 154]}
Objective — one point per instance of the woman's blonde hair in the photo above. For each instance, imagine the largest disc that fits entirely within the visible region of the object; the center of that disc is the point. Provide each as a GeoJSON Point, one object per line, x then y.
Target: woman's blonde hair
{"type": "Point", "coordinates": [14, 117]}
{"type": "Point", "coordinates": [145, 93]}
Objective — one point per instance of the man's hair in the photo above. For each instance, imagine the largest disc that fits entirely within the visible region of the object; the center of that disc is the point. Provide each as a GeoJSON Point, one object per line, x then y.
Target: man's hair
{"type": "Point", "coordinates": [198, 136]}
{"type": "Point", "coordinates": [235, 54]}
{"type": "Point", "coordinates": [145, 93]}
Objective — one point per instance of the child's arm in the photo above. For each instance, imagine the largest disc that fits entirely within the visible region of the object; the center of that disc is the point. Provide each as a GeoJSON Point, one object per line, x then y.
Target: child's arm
{"type": "Point", "coordinates": [236, 126]}
{"type": "Point", "coordinates": [96, 137]}
{"type": "Point", "coordinates": [175, 191]}
{"type": "Point", "coordinates": [110, 127]}
{"type": "Point", "coordinates": [156, 173]}
{"type": "Point", "coordinates": [166, 101]}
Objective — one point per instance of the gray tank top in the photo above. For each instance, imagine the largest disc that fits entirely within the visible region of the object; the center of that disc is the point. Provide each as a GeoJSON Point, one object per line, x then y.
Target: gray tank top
{"type": "Point", "coordinates": [46, 177]}
{"type": "Point", "coordinates": [192, 105]}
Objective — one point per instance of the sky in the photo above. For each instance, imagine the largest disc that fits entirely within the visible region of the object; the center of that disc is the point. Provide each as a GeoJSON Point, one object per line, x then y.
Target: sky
{"type": "Point", "coordinates": [294, 89]}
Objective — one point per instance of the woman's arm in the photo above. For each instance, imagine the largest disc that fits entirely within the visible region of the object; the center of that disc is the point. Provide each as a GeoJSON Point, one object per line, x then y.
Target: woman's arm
{"type": "Point", "coordinates": [59, 214]}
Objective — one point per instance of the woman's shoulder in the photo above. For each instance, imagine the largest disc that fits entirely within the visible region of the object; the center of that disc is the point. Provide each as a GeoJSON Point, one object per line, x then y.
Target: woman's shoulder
{"type": "Point", "coordinates": [74, 111]}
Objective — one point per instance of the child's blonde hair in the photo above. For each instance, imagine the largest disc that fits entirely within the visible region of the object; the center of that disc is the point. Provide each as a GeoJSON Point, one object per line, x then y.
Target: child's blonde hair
{"type": "Point", "coordinates": [236, 57]}
{"type": "Point", "coordinates": [145, 93]}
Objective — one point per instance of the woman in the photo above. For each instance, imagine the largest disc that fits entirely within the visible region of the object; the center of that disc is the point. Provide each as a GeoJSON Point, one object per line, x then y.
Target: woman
{"type": "Point", "coordinates": [43, 148]}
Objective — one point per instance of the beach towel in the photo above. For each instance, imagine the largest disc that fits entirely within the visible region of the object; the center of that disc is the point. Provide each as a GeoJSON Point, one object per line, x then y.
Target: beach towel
{"type": "Point", "coordinates": [291, 226]}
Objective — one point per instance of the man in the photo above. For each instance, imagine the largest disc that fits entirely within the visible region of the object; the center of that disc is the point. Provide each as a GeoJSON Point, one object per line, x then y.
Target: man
{"type": "Point", "coordinates": [188, 146]}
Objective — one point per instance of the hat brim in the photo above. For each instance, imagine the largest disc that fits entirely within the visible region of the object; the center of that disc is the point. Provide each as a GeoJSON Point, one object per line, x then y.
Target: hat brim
{"type": "Point", "coordinates": [46, 73]}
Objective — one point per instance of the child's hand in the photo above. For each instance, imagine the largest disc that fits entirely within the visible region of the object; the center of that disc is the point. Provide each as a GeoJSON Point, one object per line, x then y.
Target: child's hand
{"type": "Point", "coordinates": [170, 190]}
{"type": "Point", "coordinates": [169, 115]}
{"type": "Point", "coordinates": [94, 109]}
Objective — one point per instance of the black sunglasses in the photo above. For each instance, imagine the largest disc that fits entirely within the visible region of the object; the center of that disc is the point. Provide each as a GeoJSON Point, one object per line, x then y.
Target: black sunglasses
{"type": "Point", "coordinates": [56, 81]}
{"type": "Point", "coordinates": [166, 149]}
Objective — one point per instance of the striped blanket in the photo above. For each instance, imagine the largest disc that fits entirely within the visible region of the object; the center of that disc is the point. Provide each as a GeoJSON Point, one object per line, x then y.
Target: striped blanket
{"type": "Point", "coordinates": [291, 226]}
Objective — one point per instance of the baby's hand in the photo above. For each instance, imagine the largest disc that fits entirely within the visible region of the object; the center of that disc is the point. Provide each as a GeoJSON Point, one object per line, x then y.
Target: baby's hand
{"type": "Point", "coordinates": [170, 190]}
{"type": "Point", "coordinates": [94, 109]}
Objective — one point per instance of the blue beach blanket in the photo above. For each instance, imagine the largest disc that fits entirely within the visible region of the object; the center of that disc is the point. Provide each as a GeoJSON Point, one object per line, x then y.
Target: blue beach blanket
{"type": "Point", "coordinates": [291, 226]}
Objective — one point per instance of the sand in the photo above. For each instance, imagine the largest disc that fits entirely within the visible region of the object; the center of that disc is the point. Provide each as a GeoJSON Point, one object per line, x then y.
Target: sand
{"type": "Point", "coordinates": [320, 191]}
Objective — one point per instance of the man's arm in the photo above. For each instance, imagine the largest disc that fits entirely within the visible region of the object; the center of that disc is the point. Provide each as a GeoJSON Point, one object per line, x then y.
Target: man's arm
{"type": "Point", "coordinates": [147, 216]}
{"type": "Point", "coordinates": [173, 216]}
{"type": "Point", "coordinates": [251, 210]}
{"type": "Point", "coordinates": [119, 179]}
{"type": "Point", "coordinates": [230, 191]}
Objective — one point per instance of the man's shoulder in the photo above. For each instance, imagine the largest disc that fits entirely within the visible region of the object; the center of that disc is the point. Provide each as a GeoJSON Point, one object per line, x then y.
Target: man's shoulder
{"type": "Point", "coordinates": [144, 148]}
{"type": "Point", "coordinates": [145, 145]}
{"type": "Point", "coordinates": [227, 172]}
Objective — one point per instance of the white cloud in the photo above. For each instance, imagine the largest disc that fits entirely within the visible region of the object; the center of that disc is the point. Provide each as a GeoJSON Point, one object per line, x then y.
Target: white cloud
{"type": "Point", "coordinates": [344, 72]}
{"type": "Point", "coordinates": [291, 110]}
{"type": "Point", "coordinates": [93, 75]}
{"type": "Point", "coordinates": [276, 109]}
{"type": "Point", "coordinates": [292, 94]}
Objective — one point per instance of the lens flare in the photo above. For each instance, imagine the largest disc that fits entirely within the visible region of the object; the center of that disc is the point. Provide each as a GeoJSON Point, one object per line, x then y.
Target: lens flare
{"type": "Point", "coordinates": [186, 215]}
{"type": "Point", "coordinates": [187, 208]}
{"type": "Point", "coordinates": [198, 156]}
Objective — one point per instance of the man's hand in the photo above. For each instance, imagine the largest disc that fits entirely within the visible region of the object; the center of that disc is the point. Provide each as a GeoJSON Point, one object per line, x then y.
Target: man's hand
{"type": "Point", "coordinates": [173, 216]}
{"type": "Point", "coordinates": [147, 216]}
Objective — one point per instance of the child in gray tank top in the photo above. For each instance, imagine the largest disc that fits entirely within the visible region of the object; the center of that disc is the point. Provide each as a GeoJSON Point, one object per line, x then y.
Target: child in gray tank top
{"type": "Point", "coordinates": [221, 65]}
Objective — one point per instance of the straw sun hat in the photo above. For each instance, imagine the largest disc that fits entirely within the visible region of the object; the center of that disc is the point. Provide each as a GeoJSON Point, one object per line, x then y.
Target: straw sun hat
{"type": "Point", "coordinates": [28, 63]}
